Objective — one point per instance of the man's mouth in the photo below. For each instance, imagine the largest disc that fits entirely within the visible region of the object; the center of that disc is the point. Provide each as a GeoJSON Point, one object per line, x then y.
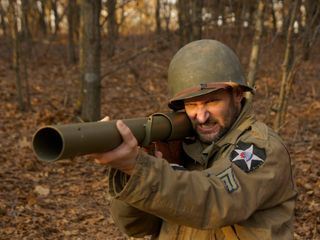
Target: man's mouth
{"type": "Point", "coordinates": [208, 128]}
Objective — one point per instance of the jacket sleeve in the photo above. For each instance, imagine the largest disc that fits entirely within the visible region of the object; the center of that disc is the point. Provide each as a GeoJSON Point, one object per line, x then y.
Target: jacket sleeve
{"type": "Point", "coordinates": [130, 220]}
{"type": "Point", "coordinates": [133, 221]}
{"type": "Point", "coordinates": [199, 199]}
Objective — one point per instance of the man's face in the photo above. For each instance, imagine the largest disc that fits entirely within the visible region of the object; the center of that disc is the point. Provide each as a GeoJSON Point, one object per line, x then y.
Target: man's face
{"type": "Point", "coordinates": [213, 114]}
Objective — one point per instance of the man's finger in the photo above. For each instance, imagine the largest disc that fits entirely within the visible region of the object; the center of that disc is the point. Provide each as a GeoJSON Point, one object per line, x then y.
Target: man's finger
{"type": "Point", "coordinates": [105, 158]}
{"type": "Point", "coordinates": [126, 134]}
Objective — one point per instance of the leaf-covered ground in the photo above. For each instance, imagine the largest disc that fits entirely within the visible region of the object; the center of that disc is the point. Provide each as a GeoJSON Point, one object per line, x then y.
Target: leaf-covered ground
{"type": "Point", "coordinates": [68, 199]}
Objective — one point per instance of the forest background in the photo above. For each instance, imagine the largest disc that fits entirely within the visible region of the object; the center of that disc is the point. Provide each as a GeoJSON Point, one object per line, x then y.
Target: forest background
{"type": "Point", "coordinates": [65, 61]}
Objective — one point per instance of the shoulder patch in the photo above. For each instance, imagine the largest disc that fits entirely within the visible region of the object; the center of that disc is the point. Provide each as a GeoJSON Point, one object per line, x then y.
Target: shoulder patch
{"type": "Point", "coordinates": [228, 178]}
{"type": "Point", "coordinates": [247, 156]}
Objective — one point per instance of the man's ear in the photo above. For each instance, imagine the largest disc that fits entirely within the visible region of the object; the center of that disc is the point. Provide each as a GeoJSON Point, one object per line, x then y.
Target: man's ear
{"type": "Point", "coordinates": [238, 94]}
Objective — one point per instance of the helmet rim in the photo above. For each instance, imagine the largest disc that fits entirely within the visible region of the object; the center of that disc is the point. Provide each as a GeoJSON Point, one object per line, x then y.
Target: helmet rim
{"type": "Point", "coordinates": [177, 102]}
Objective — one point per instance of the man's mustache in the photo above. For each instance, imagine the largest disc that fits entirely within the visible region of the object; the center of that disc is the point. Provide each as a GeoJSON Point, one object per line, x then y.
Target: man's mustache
{"type": "Point", "coordinates": [210, 121]}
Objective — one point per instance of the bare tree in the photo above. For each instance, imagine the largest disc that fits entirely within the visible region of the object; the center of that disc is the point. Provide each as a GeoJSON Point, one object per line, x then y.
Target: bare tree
{"type": "Point", "coordinates": [54, 8]}
{"type": "Point", "coordinates": [112, 27]}
{"type": "Point", "coordinates": [26, 50]}
{"type": "Point", "coordinates": [2, 20]}
{"type": "Point", "coordinates": [190, 20]}
{"type": "Point", "coordinates": [240, 11]}
{"type": "Point", "coordinates": [287, 71]}
{"type": "Point", "coordinates": [183, 21]}
{"type": "Point", "coordinates": [312, 26]}
{"type": "Point", "coordinates": [273, 14]}
{"type": "Point", "coordinates": [73, 17]}
{"type": "Point", "coordinates": [255, 51]}
{"type": "Point", "coordinates": [196, 19]}
{"type": "Point", "coordinates": [90, 59]}
{"type": "Point", "coordinates": [42, 17]}
{"type": "Point", "coordinates": [16, 52]}
{"type": "Point", "coordinates": [167, 9]}
{"type": "Point", "coordinates": [25, 20]}
{"type": "Point", "coordinates": [157, 17]}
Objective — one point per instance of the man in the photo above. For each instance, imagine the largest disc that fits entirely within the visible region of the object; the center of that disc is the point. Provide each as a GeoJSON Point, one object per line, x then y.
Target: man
{"type": "Point", "coordinates": [234, 180]}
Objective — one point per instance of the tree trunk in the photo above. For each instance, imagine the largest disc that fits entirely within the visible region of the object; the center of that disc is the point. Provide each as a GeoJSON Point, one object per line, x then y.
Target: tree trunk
{"type": "Point", "coordinates": [312, 22]}
{"type": "Point", "coordinates": [72, 19]}
{"type": "Point", "coordinates": [90, 59]}
{"type": "Point", "coordinates": [56, 15]}
{"type": "Point", "coordinates": [112, 27]}
{"type": "Point", "coordinates": [47, 15]}
{"type": "Point", "coordinates": [157, 17]}
{"type": "Point", "coordinates": [196, 19]}
{"type": "Point", "coordinates": [274, 19]}
{"type": "Point", "coordinates": [285, 18]}
{"type": "Point", "coordinates": [25, 22]}
{"type": "Point", "coordinates": [26, 51]}
{"type": "Point", "coordinates": [240, 9]}
{"type": "Point", "coordinates": [167, 17]}
{"type": "Point", "coordinates": [255, 51]}
{"type": "Point", "coordinates": [2, 21]}
{"type": "Point", "coordinates": [16, 58]}
{"type": "Point", "coordinates": [184, 17]}
{"type": "Point", "coordinates": [179, 6]}
{"type": "Point", "coordinates": [240, 17]}
{"type": "Point", "coordinates": [42, 18]}
{"type": "Point", "coordinates": [24, 62]}
{"type": "Point", "coordinates": [190, 20]}
{"type": "Point", "coordinates": [287, 68]}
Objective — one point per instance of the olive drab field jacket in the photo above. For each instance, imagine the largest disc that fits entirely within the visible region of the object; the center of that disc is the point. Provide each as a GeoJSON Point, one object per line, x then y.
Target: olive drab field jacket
{"type": "Point", "coordinates": [240, 187]}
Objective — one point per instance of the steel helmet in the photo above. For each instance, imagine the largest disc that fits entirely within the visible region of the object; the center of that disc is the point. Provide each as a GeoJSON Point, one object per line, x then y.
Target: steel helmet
{"type": "Point", "coordinates": [201, 67]}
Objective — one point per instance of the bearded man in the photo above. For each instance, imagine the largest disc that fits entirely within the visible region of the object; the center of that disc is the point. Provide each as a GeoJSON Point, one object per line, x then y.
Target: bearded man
{"type": "Point", "coordinates": [233, 179]}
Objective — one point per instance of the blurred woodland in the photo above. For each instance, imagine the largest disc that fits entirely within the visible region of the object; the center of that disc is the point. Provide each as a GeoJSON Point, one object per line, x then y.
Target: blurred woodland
{"type": "Point", "coordinates": [64, 61]}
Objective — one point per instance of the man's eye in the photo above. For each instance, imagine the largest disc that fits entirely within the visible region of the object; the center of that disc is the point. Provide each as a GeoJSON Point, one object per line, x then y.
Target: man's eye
{"type": "Point", "coordinates": [190, 104]}
{"type": "Point", "coordinates": [213, 101]}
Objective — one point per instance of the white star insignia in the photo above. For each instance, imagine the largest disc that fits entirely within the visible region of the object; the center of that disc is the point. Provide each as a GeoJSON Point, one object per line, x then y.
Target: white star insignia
{"type": "Point", "coordinates": [247, 156]}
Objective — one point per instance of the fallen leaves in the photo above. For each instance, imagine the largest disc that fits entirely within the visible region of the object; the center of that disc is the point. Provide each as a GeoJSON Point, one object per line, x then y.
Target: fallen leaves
{"type": "Point", "coordinates": [42, 191]}
{"type": "Point", "coordinates": [24, 143]}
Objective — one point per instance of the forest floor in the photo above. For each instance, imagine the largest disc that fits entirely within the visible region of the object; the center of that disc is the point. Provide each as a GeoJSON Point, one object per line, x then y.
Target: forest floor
{"type": "Point", "coordinates": [68, 199]}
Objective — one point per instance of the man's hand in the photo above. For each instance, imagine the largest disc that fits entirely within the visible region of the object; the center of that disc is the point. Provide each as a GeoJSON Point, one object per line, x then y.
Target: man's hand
{"type": "Point", "coordinates": [123, 157]}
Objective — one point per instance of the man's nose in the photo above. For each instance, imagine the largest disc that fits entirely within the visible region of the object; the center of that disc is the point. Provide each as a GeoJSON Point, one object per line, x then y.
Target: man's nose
{"type": "Point", "coordinates": [202, 114]}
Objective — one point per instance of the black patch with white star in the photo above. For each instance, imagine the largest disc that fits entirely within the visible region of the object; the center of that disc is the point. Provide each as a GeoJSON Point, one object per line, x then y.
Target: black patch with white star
{"type": "Point", "coordinates": [247, 156]}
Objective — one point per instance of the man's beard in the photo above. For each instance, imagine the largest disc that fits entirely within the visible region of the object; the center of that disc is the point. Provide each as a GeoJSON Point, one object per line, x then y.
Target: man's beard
{"type": "Point", "coordinates": [217, 130]}
{"type": "Point", "coordinates": [213, 136]}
